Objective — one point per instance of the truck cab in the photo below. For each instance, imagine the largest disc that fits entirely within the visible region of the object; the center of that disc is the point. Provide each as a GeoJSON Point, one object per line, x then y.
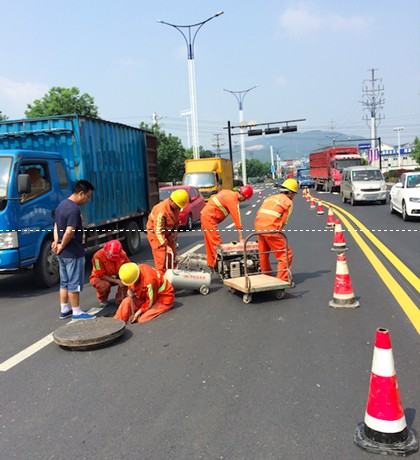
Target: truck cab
{"type": "Point", "coordinates": [31, 186]}
{"type": "Point", "coordinates": [304, 179]}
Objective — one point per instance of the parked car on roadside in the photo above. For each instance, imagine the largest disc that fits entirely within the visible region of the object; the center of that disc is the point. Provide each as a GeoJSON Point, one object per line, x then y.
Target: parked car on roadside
{"type": "Point", "coordinates": [191, 213]}
{"type": "Point", "coordinates": [405, 196]}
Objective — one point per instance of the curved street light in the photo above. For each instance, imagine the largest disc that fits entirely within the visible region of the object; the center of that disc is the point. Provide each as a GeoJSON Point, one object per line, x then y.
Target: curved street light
{"type": "Point", "coordinates": [240, 96]}
{"type": "Point", "coordinates": [189, 37]}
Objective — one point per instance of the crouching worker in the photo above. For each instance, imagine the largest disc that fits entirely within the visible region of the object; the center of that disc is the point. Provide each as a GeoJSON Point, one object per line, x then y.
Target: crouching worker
{"type": "Point", "coordinates": [149, 293]}
{"type": "Point", "coordinates": [105, 266]}
{"type": "Point", "coordinates": [162, 228]}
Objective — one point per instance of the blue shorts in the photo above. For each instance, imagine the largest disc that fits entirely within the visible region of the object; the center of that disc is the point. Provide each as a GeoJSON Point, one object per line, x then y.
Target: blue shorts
{"type": "Point", "coordinates": [72, 273]}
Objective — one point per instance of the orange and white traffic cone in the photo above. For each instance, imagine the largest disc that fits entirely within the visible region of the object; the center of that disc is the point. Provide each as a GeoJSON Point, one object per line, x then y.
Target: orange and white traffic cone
{"type": "Point", "coordinates": [343, 290]}
{"type": "Point", "coordinates": [260, 194]}
{"type": "Point", "coordinates": [385, 430]}
{"type": "Point", "coordinates": [339, 243]}
{"type": "Point", "coordinates": [308, 196]}
{"type": "Point", "coordinates": [304, 192]}
{"type": "Point", "coordinates": [320, 209]}
{"type": "Point", "coordinates": [330, 218]}
{"type": "Point", "coordinates": [312, 203]}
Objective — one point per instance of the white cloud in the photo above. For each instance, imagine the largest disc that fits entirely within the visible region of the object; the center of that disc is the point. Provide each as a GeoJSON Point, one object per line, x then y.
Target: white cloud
{"type": "Point", "coordinates": [303, 21]}
{"type": "Point", "coordinates": [16, 95]}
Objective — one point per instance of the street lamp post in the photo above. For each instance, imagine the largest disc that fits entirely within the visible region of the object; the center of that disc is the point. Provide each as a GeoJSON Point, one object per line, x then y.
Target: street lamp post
{"type": "Point", "coordinates": [240, 96]}
{"type": "Point", "coordinates": [186, 114]}
{"type": "Point", "coordinates": [398, 130]}
{"type": "Point", "coordinates": [189, 38]}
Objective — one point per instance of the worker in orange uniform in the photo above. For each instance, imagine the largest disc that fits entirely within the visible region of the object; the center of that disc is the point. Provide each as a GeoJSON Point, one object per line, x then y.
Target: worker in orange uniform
{"type": "Point", "coordinates": [162, 227]}
{"type": "Point", "coordinates": [105, 266]}
{"type": "Point", "coordinates": [149, 293]}
{"type": "Point", "coordinates": [215, 211]}
{"type": "Point", "coordinates": [273, 214]}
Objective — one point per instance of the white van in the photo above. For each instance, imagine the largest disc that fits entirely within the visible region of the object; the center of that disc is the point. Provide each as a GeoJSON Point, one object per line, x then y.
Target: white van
{"type": "Point", "coordinates": [363, 183]}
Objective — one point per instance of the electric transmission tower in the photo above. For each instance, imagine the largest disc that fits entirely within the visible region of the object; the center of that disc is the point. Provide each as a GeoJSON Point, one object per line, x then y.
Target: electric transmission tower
{"type": "Point", "coordinates": [217, 143]}
{"type": "Point", "coordinates": [373, 102]}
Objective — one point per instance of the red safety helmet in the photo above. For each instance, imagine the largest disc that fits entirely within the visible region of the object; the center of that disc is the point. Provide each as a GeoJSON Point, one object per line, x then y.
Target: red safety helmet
{"type": "Point", "coordinates": [247, 191]}
{"type": "Point", "coordinates": [113, 249]}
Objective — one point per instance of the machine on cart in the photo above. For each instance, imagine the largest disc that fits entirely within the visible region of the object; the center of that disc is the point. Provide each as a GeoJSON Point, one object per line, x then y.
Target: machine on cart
{"type": "Point", "coordinates": [253, 280]}
{"type": "Point", "coordinates": [232, 260]}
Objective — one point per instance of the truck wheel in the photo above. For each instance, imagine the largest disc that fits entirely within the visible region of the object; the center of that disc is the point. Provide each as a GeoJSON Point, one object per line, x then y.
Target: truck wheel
{"type": "Point", "coordinates": [204, 290]}
{"type": "Point", "coordinates": [352, 201]}
{"type": "Point", "coordinates": [132, 241]}
{"type": "Point", "coordinates": [46, 270]}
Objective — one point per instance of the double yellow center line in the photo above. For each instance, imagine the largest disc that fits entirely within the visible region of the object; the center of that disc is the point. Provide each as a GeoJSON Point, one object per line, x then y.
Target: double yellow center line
{"type": "Point", "coordinates": [409, 307]}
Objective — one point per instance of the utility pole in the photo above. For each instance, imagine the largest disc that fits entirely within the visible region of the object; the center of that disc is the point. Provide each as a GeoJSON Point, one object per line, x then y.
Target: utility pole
{"type": "Point", "coordinates": [373, 102]}
{"type": "Point", "coordinates": [155, 120]}
{"type": "Point", "coordinates": [217, 143]}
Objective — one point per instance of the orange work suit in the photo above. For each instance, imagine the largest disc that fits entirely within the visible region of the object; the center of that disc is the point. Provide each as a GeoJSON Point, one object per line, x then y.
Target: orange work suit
{"type": "Point", "coordinates": [274, 212]}
{"type": "Point", "coordinates": [215, 211]}
{"type": "Point", "coordinates": [102, 266]}
{"type": "Point", "coordinates": [162, 224]}
{"type": "Point", "coordinates": [154, 296]}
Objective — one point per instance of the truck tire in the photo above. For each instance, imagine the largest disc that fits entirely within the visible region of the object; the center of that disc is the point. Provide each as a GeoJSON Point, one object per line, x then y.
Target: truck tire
{"type": "Point", "coordinates": [132, 242]}
{"type": "Point", "coordinates": [46, 271]}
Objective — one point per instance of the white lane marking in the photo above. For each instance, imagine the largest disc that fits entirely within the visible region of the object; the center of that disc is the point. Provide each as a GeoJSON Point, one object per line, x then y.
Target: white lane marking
{"type": "Point", "coordinates": [248, 213]}
{"type": "Point", "coordinates": [37, 346]}
{"type": "Point", "coordinates": [26, 353]}
{"type": "Point", "coordinates": [231, 225]}
{"type": "Point", "coordinates": [193, 249]}
{"type": "Point", "coordinates": [253, 206]}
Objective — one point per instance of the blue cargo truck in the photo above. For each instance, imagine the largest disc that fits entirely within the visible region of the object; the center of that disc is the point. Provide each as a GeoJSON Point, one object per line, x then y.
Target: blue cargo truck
{"type": "Point", "coordinates": [42, 158]}
{"type": "Point", "coordinates": [303, 178]}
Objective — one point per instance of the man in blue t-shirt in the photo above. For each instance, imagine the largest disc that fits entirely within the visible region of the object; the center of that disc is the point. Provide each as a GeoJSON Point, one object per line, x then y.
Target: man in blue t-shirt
{"type": "Point", "coordinates": [68, 245]}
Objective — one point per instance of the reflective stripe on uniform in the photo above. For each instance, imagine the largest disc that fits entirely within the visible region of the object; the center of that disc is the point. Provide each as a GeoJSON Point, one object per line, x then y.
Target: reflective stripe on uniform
{"type": "Point", "coordinates": [271, 213]}
{"type": "Point", "coordinates": [97, 265]}
{"type": "Point", "coordinates": [220, 206]}
{"type": "Point", "coordinates": [162, 288]}
{"type": "Point", "coordinates": [290, 213]}
{"type": "Point", "coordinates": [159, 229]}
{"type": "Point", "coordinates": [150, 291]}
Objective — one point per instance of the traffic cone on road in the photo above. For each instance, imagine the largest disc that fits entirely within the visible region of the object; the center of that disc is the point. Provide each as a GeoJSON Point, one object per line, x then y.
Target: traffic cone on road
{"type": "Point", "coordinates": [385, 430]}
{"type": "Point", "coordinates": [312, 203]}
{"type": "Point", "coordinates": [343, 291]}
{"type": "Point", "coordinates": [330, 218]}
{"type": "Point", "coordinates": [304, 192]}
{"type": "Point", "coordinates": [320, 209]}
{"type": "Point", "coordinates": [260, 194]}
{"type": "Point", "coordinates": [308, 196]}
{"type": "Point", "coordinates": [339, 243]}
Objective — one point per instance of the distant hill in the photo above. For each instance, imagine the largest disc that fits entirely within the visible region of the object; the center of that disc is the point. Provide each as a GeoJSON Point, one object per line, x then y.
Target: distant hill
{"type": "Point", "coordinates": [292, 145]}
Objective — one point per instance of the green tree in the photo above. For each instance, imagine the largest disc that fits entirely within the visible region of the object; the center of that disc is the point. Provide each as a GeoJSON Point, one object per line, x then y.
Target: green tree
{"type": "Point", "coordinates": [416, 153]}
{"type": "Point", "coordinates": [171, 155]}
{"type": "Point", "coordinates": [256, 168]}
{"type": "Point", "coordinates": [63, 101]}
{"type": "Point", "coordinates": [2, 117]}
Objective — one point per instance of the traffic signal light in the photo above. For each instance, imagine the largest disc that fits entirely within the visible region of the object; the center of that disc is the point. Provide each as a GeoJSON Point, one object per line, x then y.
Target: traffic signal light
{"type": "Point", "coordinates": [271, 130]}
{"type": "Point", "coordinates": [289, 129]}
{"type": "Point", "coordinates": [255, 132]}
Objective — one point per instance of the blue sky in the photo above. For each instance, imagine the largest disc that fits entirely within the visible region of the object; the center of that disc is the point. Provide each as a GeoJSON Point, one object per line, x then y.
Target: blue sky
{"type": "Point", "coordinates": [311, 59]}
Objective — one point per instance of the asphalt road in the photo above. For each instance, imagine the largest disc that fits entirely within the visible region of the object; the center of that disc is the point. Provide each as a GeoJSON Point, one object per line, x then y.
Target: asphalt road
{"type": "Point", "coordinates": [216, 378]}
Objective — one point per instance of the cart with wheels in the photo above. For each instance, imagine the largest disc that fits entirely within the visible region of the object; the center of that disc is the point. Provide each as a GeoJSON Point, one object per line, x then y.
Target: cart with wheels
{"type": "Point", "coordinates": [251, 283]}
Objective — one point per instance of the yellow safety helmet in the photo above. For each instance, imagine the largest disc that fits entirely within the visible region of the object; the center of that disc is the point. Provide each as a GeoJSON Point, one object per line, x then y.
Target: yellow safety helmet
{"type": "Point", "coordinates": [180, 197]}
{"type": "Point", "coordinates": [129, 273]}
{"type": "Point", "coordinates": [291, 185]}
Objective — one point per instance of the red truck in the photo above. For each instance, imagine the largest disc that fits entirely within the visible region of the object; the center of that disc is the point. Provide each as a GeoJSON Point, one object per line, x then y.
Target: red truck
{"type": "Point", "coordinates": [327, 164]}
